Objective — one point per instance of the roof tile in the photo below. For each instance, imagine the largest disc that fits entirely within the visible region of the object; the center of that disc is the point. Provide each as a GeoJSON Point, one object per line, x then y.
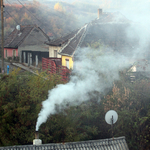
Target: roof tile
{"type": "Point", "coordinates": [62, 40]}
{"type": "Point", "coordinates": [73, 43]}
{"type": "Point", "coordinates": [17, 36]}
{"type": "Point", "coordinates": [80, 37]}
{"type": "Point", "coordinates": [104, 144]}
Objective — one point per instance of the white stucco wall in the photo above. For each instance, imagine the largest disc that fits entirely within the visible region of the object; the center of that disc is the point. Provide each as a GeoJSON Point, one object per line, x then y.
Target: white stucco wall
{"type": "Point", "coordinates": [51, 51]}
{"type": "Point", "coordinates": [34, 42]}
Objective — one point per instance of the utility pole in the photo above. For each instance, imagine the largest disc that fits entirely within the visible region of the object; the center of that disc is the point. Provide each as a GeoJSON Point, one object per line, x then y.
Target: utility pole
{"type": "Point", "coordinates": [2, 36]}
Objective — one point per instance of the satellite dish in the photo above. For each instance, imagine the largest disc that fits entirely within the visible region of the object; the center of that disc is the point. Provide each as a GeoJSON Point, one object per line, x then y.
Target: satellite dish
{"type": "Point", "coordinates": [111, 117]}
{"type": "Point", "coordinates": [18, 27]}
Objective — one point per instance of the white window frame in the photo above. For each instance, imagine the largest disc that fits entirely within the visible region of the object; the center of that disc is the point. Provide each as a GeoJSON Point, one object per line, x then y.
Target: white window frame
{"type": "Point", "coordinates": [67, 63]}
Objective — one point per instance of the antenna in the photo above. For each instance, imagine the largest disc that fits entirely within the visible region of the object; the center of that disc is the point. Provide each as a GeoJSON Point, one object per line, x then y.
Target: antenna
{"type": "Point", "coordinates": [111, 118]}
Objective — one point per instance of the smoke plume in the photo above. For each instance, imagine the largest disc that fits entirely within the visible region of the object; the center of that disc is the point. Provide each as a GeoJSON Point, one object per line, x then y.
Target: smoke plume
{"type": "Point", "coordinates": [96, 70]}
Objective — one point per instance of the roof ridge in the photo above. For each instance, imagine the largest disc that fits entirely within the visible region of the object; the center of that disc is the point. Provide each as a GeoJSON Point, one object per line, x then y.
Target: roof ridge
{"type": "Point", "coordinates": [65, 35]}
{"type": "Point", "coordinates": [82, 38]}
{"type": "Point", "coordinates": [72, 38]}
{"type": "Point", "coordinates": [83, 35]}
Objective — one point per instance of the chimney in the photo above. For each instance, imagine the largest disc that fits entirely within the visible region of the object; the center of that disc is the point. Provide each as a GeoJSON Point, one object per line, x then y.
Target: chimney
{"type": "Point", "coordinates": [37, 141]}
{"type": "Point", "coordinates": [100, 12]}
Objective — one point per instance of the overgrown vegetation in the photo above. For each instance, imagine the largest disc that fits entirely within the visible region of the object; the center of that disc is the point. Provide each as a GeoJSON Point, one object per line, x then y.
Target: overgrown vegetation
{"type": "Point", "coordinates": [20, 101]}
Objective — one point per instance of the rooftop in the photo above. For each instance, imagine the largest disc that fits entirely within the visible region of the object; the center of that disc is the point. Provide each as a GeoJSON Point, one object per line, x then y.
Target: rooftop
{"type": "Point", "coordinates": [17, 36]}
{"type": "Point", "coordinates": [109, 27]}
{"type": "Point", "coordinates": [62, 40]}
{"type": "Point", "coordinates": [103, 144]}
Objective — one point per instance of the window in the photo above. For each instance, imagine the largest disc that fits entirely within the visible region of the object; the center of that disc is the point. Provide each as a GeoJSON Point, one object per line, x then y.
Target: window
{"type": "Point", "coordinates": [55, 53]}
{"type": "Point", "coordinates": [6, 53]}
{"type": "Point", "coordinates": [36, 60]}
{"type": "Point", "coordinates": [14, 53]}
{"type": "Point", "coordinates": [67, 63]}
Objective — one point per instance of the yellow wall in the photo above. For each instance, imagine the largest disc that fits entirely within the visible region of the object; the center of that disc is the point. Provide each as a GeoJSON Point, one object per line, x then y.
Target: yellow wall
{"type": "Point", "coordinates": [51, 51]}
{"type": "Point", "coordinates": [70, 61]}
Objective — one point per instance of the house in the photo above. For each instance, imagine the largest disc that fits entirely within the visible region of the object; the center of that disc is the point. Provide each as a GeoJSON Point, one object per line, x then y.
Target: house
{"type": "Point", "coordinates": [56, 45]}
{"type": "Point", "coordinates": [27, 42]}
{"type": "Point", "coordinates": [109, 28]}
{"type": "Point", "coordinates": [103, 144]}
{"type": "Point", "coordinates": [141, 67]}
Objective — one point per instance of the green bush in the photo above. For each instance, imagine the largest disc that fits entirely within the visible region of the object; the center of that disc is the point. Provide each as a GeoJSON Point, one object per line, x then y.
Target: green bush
{"type": "Point", "coordinates": [20, 103]}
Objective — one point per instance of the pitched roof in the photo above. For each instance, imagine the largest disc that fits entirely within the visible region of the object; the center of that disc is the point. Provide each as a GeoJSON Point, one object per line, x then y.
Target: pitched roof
{"type": "Point", "coordinates": [62, 40]}
{"type": "Point", "coordinates": [16, 37]}
{"type": "Point", "coordinates": [73, 42]}
{"type": "Point", "coordinates": [78, 38]}
{"type": "Point", "coordinates": [107, 144]}
{"type": "Point", "coordinates": [115, 17]}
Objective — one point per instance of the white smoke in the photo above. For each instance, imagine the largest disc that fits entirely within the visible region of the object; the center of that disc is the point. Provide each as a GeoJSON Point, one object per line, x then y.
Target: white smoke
{"type": "Point", "coordinates": [95, 73]}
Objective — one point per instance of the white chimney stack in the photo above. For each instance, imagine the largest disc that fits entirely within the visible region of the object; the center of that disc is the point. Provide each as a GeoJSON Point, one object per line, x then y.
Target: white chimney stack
{"type": "Point", "coordinates": [37, 141]}
{"type": "Point", "coordinates": [100, 12]}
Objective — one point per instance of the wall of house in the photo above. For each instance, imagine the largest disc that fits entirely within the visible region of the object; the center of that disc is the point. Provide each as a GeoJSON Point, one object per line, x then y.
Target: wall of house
{"type": "Point", "coordinates": [33, 58]}
{"type": "Point", "coordinates": [36, 37]}
{"type": "Point", "coordinates": [64, 63]}
{"type": "Point", "coordinates": [52, 49]}
{"type": "Point", "coordinates": [34, 42]}
{"type": "Point", "coordinates": [10, 52]}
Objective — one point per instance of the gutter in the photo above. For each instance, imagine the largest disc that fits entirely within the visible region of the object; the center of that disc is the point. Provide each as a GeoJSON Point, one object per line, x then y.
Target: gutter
{"type": "Point", "coordinates": [65, 54]}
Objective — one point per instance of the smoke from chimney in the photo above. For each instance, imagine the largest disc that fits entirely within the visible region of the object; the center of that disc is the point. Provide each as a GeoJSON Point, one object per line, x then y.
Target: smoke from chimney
{"type": "Point", "coordinates": [98, 70]}
{"type": "Point", "coordinates": [94, 76]}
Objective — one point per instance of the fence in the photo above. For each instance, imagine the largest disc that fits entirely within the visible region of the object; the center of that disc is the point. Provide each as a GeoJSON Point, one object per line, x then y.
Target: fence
{"type": "Point", "coordinates": [54, 66]}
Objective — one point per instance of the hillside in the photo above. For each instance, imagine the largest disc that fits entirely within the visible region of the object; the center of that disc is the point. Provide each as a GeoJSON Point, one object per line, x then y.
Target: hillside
{"type": "Point", "coordinates": [57, 18]}
{"type": "Point", "coordinates": [51, 21]}
{"type": "Point", "coordinates": [54, 20]}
